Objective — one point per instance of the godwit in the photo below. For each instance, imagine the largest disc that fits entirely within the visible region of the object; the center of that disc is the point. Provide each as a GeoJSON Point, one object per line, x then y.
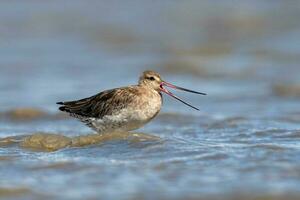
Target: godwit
{"type": "Point", "coordinates": [125, 108]}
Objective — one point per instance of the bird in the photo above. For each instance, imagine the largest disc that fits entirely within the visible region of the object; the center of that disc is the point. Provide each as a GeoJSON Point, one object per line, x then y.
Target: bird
{"type": "Point", "coordinates": [124, 108]}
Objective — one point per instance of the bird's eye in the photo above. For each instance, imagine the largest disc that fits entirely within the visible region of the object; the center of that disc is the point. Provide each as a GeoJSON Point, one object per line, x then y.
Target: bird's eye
{"type": "Point", "coordinates": [151, 78]}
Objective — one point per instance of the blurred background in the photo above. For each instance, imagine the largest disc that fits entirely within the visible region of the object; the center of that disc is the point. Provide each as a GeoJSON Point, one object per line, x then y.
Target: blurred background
{"type": "Point", "coordinates": [243, 144]}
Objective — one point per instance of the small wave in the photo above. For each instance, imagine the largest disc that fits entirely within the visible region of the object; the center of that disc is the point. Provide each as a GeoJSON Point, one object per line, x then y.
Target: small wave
{"type": "Point", "coordinates": [278, 133]}
{"type": "Point", "coordinates": [231, 122]}
{"type": "Point", "coordinates": [291, 135]}
{"type": "Point", "coordinates": [269, 132]}
{"type": "Point", "coordinates": [268, 146]}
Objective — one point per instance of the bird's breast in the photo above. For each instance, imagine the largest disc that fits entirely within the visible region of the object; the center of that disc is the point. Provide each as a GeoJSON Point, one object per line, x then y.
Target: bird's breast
{"type": "Point", "coordinates": [148, 106]}
{"type": "Point", "coordinates": [140, 111]}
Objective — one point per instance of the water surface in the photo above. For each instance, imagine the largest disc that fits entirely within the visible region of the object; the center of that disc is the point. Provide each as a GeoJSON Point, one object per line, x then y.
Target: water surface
{"type": "Point", "coordinates": [243, 144]}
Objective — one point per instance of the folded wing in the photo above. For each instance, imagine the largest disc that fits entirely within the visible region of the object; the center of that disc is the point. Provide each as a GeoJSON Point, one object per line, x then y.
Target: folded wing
{"type": "Point", "coordinates": [104, 103]}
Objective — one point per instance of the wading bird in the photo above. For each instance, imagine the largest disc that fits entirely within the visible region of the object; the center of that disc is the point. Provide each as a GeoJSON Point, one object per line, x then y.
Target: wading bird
{"type": "Point", "coordinates": [125, 108]}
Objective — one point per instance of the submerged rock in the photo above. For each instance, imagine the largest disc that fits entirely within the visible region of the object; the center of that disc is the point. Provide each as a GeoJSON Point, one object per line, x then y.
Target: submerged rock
{"type": "Point", "coordinates": [25, 114]}
{"type": "Point", "coordinates": [100, 138]}
{"type": "Point", "coordinates": [287, 90]}
{"type": "Point", "coordinates": [6, 158]}
{"type": "Point", "coordinates": [28, 114]}
{"type": "Point", "coordinates": [46, 141]}
{"type": "Point", "coordinates": [10, 192]}
{"type": "Point", "coordinates": [53, 142]}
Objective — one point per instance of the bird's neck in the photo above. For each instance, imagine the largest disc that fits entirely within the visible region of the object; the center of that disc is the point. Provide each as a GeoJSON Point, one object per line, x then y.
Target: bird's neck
{"type": "Point", "coordinates": [149, 88]}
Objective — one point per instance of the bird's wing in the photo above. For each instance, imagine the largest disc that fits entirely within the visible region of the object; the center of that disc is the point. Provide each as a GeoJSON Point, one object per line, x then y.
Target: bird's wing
{"type": "Point", "coordinates": [104, 103]}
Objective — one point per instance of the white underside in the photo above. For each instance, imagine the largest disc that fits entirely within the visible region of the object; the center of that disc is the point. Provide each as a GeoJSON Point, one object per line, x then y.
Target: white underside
{"type": "Point", "coordinates": [127, 119]}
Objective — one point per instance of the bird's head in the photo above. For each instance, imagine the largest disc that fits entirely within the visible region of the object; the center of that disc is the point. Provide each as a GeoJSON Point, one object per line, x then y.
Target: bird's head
{"type": "Point", "coordinates": [153, 80]}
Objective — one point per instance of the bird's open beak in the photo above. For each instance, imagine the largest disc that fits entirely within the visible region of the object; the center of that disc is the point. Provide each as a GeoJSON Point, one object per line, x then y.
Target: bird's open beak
{"type": "Point", "coordinates": [163, 83]}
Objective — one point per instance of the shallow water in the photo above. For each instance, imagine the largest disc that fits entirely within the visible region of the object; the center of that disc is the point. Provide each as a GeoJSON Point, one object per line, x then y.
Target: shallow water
{"type": "Point", "coordinates": [243, 144]}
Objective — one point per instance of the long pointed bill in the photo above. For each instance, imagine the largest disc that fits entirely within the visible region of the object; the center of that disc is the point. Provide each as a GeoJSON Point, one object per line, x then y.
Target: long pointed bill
{"type": "Point", "coordinates": [180, 88]}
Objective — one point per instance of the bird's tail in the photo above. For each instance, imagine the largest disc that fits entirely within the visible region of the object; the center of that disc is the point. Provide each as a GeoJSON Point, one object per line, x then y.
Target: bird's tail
{"type": "Point", "coordinates": [62, 108]}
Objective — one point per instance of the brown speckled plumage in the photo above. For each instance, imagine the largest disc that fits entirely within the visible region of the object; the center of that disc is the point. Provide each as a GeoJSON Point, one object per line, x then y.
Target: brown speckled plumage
{"type": "Point", "coordinates": [125, 108]}
{"type": "Point", "coordinates": [98, 111]}
{"type": "Point", "coordinates": [104, 103]}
